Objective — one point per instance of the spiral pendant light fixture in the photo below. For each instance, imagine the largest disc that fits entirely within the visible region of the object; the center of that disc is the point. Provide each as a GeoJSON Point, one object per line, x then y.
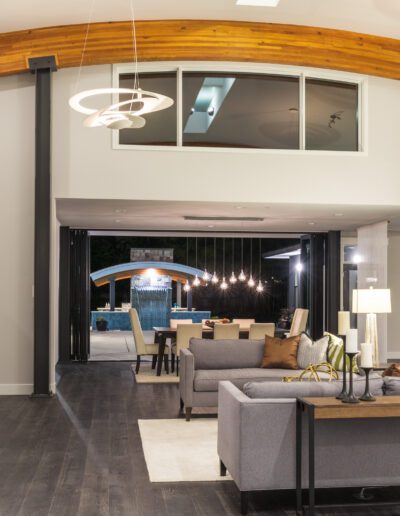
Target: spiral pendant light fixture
{"type": "Point", "coordinates": [126, 114]}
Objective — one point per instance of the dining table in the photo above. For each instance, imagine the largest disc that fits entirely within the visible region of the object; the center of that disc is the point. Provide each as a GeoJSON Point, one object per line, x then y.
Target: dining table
{"type": "Point", "coordinates": [162, 333]}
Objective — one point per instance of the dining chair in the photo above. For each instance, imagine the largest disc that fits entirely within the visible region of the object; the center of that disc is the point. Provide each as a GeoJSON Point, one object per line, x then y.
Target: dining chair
{"type": "Point", "coordinates": [299, 322]}
{"type": "Point", "coordinates": [244, 323]}
{"type": "Point", "coordinates": [173, 323]}
{"type": "Point", "coordinates": [184, 332]}
{"type": "Point", "coordinates": [142, 348]}
{"type": "Point", "coordinates": [260, 330]}
{"type": "Point", "coordinates": [226, 331]}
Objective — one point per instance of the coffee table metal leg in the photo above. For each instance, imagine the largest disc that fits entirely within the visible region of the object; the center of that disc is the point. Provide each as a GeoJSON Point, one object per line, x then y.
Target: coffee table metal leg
{"type": "Point", "coordinates": [311, 461]}
{"type": "Point", "coordinates": [299, 502]}
{"type": "Point", "coordinates": [161, 349]}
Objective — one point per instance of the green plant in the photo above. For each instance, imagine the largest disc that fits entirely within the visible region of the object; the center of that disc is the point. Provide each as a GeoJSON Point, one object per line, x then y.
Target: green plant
{"type": "Point", "coordinates": [100, 318]}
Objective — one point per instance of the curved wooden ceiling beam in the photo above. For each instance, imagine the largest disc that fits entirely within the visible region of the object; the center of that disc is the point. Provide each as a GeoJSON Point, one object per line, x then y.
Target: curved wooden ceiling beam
{"type": "Point", "coordinates": [204, 40]}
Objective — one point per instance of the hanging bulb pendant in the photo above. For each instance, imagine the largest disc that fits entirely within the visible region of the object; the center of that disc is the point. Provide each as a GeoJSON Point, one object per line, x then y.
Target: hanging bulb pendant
{"type": "Point", "coordinates": [251, 281]}
{"type": "Point", "coordinates": [214, 278]}
{"type": "Point", "coordinates": [224, 284]}
{"type": "Point", "coordinates": [187, 286]}
{"type": "Point", "coordinates": [259, 287]}
{"type": "Point", "coordinates": [206, 276]}
{"type": "Point", "coordinates": [196, 281]}
{"type": "Point", "coordinates": [242, 276]}
{"type": "Point", "coordinates": [233, 278]}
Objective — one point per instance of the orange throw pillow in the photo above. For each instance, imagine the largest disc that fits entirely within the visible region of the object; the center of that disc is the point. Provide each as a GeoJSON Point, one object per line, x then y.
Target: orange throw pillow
{"type": "Point", "coordinates": [280, 353]}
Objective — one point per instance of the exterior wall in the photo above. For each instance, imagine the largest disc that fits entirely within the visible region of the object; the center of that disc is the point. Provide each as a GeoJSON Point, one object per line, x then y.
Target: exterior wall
{"type": "Point", "coordinates": [394, 285]}
{"type": "Point", "coordinates": [17, 133]}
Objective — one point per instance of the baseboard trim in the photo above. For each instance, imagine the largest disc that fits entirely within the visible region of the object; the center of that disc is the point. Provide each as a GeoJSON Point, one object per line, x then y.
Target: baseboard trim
{"type": "Point", "coordinates": [18, 389]}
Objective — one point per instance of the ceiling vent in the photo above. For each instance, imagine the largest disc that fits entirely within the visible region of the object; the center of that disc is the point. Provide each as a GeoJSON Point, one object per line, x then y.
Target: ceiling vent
{"type": "Point", "coordinates": [225, 219]}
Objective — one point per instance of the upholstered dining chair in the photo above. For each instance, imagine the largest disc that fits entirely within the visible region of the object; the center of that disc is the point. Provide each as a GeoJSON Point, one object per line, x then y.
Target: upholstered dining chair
{"type": "Point", "coordinates": [142, 348]}
{"type": "Point", "coordinates": [173, 323]}
{"type": "Point", "coordinates": [299, 322]}
{"type": "Point", "coordinates": [244, 323]}
{"type": "Point", "coordinates": [260, 330]}
{"type": "Point", "coordinates": [184, 332]}
{"type": "Point", "coordinates": [226, 331]}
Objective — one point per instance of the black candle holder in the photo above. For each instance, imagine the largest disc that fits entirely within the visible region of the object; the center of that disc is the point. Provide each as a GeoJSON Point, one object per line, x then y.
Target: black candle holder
{"type": "Point", "coordinates": [343, 394]}
{"type": "Point", "coordinates": [367, 396]}
{"type": "Point", "coordinates": [351, 398]}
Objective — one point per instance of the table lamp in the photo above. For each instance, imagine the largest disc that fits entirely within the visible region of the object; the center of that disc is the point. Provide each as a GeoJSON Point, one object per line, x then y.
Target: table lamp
{"type": "Point", "coordinates": [372, 301]}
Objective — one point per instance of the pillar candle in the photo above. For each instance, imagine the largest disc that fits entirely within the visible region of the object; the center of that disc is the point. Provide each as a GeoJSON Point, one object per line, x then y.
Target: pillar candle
{"type": "Point", "coordinates": [366, 354]}
{"type": "Point", "coordinates": [352, 341]}
{"type": "Point", "coordinates": [343, 322]}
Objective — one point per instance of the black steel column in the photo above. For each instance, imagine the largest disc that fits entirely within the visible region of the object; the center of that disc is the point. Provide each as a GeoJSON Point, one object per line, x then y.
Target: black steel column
{"type": "Point", "coordinates": [64, 297]}
{"type": "Point", "coordinates": [112, 294]}
{"type": "Point", "coordinates": [332, 281]}
{"type": "Point", "coordinates": [42, 67]}
{"type": "Point", "coordinates": [316, 285]}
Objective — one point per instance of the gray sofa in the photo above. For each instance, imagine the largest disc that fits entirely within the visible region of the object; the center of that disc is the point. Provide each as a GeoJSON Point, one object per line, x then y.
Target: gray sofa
{"type": "Point", "coordinates": [208, 362]}
{"type": "Point", "coordinates": [256, 439]}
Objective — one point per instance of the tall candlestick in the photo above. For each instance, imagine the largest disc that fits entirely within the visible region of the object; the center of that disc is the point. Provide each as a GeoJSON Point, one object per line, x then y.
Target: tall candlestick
{"type": "Point", "coordinates": [343, 322]}
{"type": "Point", "coordinates": [352, 341]}
{"type": "Point", "coordinates": [367, 354]}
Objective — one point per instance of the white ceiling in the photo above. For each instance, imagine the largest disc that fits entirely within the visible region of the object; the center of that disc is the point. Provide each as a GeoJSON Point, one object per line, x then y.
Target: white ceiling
{"type": "Point", "coordinates": [380, 17]}
{"type": "Point", "coordinates": [163, 215]}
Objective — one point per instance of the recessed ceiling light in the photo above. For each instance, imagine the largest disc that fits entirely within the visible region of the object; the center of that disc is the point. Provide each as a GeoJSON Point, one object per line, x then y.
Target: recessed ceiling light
{"type": "Point", "coordinates": [117, 220]}
{"type": "Point", "coordinates": [258, 3]}
{"type": "Point", "coordinates": [211, 226]}
{"type": "Point", "coordinates": [120, 211]}
{"type": "Point", "coordinates": [338, 214]}
{"type": "Point", "coordinates": [311, 223]}
{"type": "Point", "coordinates": [239, 207]}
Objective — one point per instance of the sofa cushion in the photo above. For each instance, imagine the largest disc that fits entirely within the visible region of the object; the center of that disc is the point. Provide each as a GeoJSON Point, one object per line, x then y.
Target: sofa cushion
{"type": "Point", "coordinates": [226, 354]}
{"type": "Point", "coordinates": [391, 385]}
{"type": "Point", "coordinates": [311, 352]}
{"type": "Point", "coordinates": [281, 353]}
{"type": "Point", "coordinates": [307, 388]}
{"type": "Point", "coordinates": [207, 380]}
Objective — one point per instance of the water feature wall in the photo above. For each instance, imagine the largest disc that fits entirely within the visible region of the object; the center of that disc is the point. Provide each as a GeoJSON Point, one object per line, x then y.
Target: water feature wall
{"type": "Point", "coordinates": [151, 295]}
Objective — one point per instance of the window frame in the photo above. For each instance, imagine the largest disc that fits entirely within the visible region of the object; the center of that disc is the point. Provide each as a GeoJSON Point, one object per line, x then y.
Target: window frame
{"type": "Point", "coordinates": [251, 68]}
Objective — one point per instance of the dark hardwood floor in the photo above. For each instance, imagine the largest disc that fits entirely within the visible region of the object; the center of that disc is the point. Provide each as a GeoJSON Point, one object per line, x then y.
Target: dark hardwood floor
{"type": "Point", "coordinates": [80, 454]}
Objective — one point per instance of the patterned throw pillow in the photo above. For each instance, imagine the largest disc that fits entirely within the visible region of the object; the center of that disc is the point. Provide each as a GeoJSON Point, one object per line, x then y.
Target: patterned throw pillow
{"type": "Point", "coordinates": [312, 352]}
{"type": "Point", "coordinates": [335, 354]}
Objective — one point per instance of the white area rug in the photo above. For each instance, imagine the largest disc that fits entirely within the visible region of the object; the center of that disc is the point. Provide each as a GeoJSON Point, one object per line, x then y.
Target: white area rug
{"type": "Point", "coordinates": [179, 451]}
{"type": "Point", "coordinates": [148, 375]}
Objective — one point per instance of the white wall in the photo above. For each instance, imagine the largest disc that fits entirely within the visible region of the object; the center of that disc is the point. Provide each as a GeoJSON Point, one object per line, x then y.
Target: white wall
{"type": "Point", "coordinates": [85, 165]}
{"type": "Point", "coordinates": [394, 285]}
{"type": "Point", "coordinates": [17, 133]}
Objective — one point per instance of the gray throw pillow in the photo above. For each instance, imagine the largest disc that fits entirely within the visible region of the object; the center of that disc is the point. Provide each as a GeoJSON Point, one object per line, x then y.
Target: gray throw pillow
{"type": "Point", "coordinates": [310, 352]}
{"type": "Point", "coordinates": [391, 385]}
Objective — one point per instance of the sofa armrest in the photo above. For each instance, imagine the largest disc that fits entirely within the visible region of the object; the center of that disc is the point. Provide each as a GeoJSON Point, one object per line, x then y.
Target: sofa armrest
{"type": "Point", "coordinates": [186, 377]}
{"type": "Point", "coordinates": [253, 436]}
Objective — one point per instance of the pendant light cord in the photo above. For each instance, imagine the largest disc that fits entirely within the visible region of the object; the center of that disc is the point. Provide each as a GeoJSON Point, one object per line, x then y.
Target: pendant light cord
{"type": "Point", "coordinates": [187, 251]}
{"type": "Point", "coordinates": [233, 254]}
{"type": "Point", "coordinates": [259, 266]}
{"type": "Point", "coordinates": [223, 258]}
{"type": "Point", "coordinates": [205, 254]}
{"type": "Point", "coordinates": [196, 252]}
{"type": "Point", "coordinates": [251, 256]}
{"type": "Point", "coordinates": [90, 17]}
{"type": "Point", "coordinates": [215, 252]}
{"type": "Point", "coordinates": [242, 253]}
{"type": "Point", "coordinates": [134, 46]}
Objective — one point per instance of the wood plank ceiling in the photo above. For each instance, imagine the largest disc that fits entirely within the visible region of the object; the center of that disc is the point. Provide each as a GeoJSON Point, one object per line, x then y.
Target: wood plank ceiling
{"type": "Point", "coordinates": [192, 40]}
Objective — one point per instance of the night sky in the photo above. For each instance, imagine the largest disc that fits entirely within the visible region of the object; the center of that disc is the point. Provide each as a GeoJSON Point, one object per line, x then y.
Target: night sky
{"type": "Point", "coordinates": [238, 301]}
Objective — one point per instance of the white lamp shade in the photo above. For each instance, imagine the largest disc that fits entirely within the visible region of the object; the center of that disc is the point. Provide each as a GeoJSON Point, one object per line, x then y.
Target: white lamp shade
{"type": "Point", "coordinates": [371, 301]}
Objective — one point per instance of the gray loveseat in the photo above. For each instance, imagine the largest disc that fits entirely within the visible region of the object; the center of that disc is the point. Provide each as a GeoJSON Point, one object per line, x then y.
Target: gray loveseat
{"type": "Point", "coordinates": [208, 362]}
{"type": "Point", "coordinates": [256, 439]}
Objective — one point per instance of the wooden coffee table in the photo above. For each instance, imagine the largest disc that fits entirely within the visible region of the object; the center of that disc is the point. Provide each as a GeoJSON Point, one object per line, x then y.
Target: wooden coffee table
{"type": "Point", "coordinates": [328, 408]}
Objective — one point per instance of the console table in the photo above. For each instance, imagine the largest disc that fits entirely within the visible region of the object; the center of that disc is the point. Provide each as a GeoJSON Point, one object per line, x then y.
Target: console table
{"type": "Point", "coordinates": [328, 408]}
